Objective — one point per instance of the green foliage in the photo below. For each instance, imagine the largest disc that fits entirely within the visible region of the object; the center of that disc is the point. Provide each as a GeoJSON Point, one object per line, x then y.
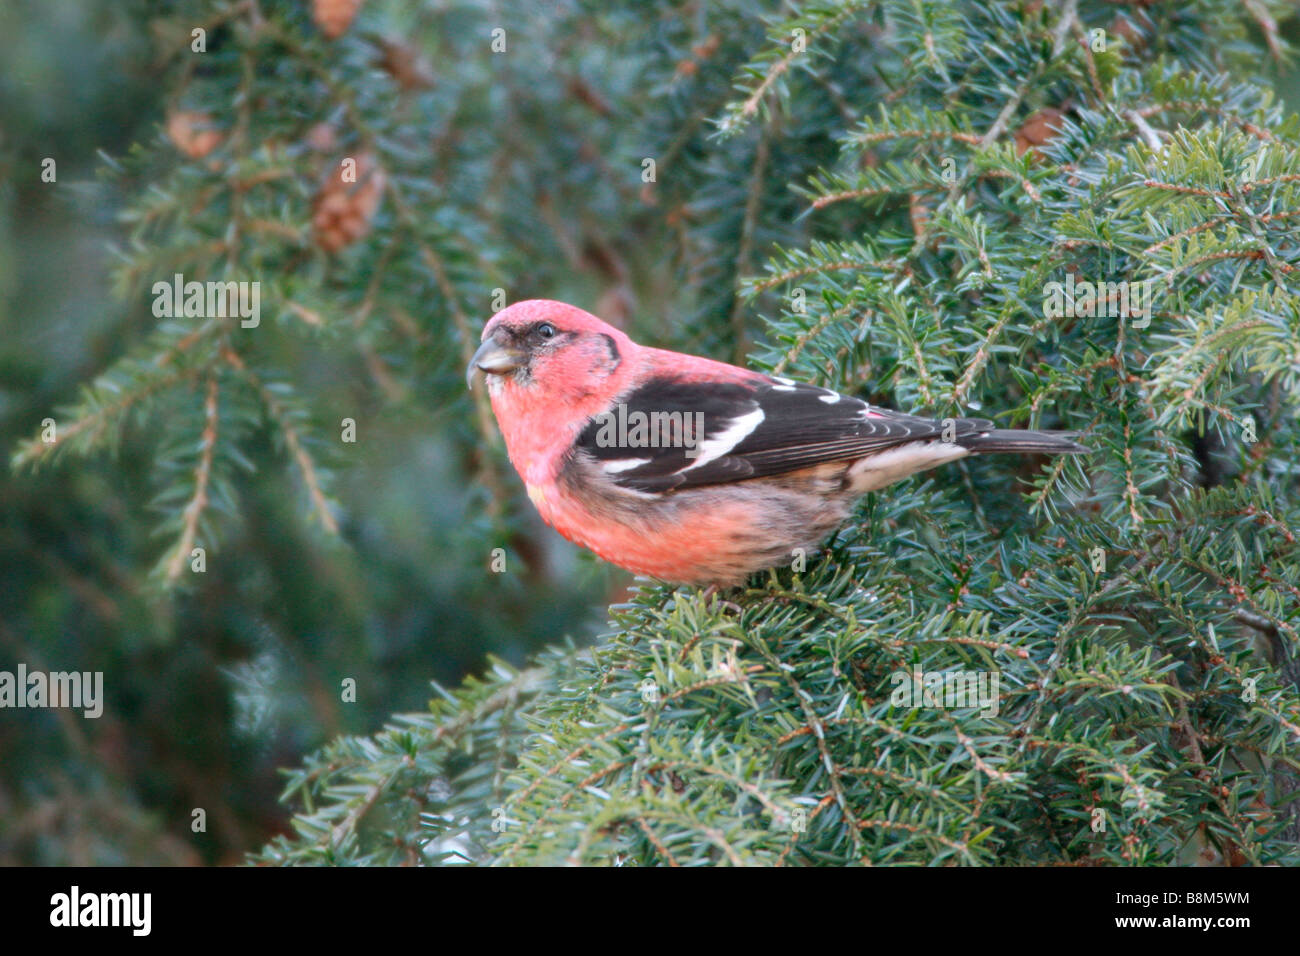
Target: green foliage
{"type": "Point", "coordinates": [761, 730]}
{"type": "Point", "coordinates": [1138, 606]}
{"type": "Point", "coordinates": [1141, 639]}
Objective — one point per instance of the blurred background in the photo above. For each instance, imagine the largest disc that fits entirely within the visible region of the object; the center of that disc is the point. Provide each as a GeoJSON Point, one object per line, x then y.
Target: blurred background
{"type": "Point", "coordinates": [520, 170]}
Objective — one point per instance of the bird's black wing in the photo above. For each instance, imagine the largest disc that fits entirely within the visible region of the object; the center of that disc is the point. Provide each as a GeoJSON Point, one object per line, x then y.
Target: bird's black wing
{"type": "Point", "coordinates": [668, 434]}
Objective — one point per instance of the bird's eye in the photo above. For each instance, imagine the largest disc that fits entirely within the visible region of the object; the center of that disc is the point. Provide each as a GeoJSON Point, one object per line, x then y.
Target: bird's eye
{"type": "Point", "coordinates": [546, 330]}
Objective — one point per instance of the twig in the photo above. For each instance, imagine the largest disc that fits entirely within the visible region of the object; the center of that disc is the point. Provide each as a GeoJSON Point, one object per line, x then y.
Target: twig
{"type": "Point", "coordinates": [202, 475]}
{"type": "Point", "coordinates": [1069, 13]}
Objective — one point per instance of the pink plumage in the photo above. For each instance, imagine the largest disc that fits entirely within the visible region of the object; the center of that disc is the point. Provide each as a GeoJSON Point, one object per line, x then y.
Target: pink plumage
{"type": "Point", "coordinates": [690, 470]}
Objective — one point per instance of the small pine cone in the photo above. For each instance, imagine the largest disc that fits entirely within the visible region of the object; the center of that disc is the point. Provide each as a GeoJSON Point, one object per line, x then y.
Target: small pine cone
{"type": "Point", "coordinates": [344, 208]}
{"type": "Point", "coordinates": [191, 132]}
{"type": "Point", "coordinates": [333, 17]}
{"type": "Point", "coordinates": [706, 49]}
{"type": "Point", "coordinates": [1043, 126]}
{"type": "Point", "coordinates": [404, 64]}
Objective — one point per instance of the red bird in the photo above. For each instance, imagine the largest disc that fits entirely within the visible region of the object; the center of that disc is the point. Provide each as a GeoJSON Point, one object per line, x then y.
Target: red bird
{"type": "Point", "coordinates": [690, 470]}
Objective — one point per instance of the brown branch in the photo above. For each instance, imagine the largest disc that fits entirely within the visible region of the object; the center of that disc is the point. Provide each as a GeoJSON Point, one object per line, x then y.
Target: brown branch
{"type": "Point", "coordinates": [202, 475]}
{"type": "Point", "coordinates": [1267, 25]}
{"type": "Point", "coordinates": [291, 439]}
{"type": "Point", "coordinates": [823, 201]}
{"type": "Point", "coordinates": [99, 419]}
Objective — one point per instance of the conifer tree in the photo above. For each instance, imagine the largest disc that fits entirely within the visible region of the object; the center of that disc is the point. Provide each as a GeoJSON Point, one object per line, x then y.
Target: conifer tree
{"type": "Point", "coordinates": [1077, 215]}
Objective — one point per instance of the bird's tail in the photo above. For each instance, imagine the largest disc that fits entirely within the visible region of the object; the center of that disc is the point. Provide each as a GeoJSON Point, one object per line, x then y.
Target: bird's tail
{"type": "Point", "coordinates": [1024, 442]}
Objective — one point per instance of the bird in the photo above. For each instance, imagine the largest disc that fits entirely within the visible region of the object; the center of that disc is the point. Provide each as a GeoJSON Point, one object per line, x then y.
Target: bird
{"type": "Point", "coordinates": [690, 470]}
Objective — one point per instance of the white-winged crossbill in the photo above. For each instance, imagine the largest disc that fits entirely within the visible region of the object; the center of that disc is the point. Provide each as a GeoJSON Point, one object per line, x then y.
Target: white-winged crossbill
{"type": "Point", "coordinates": [690, 470]}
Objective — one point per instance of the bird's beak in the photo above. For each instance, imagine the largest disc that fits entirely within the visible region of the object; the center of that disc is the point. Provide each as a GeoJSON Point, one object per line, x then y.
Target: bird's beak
{"type": "Point", "coordinates": [495, 359]}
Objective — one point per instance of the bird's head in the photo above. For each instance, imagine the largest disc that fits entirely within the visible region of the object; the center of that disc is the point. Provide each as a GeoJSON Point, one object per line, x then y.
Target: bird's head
{"type": "Point", "coordinates": [544, 347]}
